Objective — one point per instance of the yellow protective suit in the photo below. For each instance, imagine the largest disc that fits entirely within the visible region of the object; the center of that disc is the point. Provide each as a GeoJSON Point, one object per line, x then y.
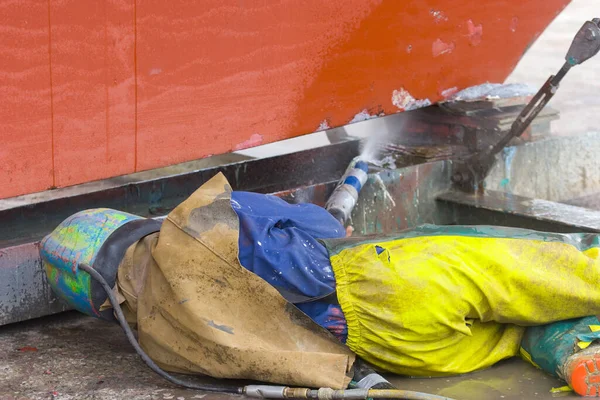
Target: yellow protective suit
{"type": "Point", "coordinates": [437, 300]}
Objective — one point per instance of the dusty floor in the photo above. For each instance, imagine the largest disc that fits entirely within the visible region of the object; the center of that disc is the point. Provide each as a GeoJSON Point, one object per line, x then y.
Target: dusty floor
{"type": "Point", "coordinates": [70, 356]}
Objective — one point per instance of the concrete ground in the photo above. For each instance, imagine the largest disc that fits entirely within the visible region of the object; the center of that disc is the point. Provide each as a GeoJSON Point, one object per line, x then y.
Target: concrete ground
{"type": "Point", "coordinates": [74, 357]}
{"type": "Point", "coordinates": [70, 356]}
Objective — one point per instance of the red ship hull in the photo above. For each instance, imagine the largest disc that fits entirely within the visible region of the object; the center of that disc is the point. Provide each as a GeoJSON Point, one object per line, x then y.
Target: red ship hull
{"type": "Point", "coordinates": [91, 90]}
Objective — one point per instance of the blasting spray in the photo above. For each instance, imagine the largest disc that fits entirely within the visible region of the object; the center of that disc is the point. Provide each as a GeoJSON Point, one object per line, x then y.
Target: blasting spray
{"type": "Point", "coordinates": [345, 195]}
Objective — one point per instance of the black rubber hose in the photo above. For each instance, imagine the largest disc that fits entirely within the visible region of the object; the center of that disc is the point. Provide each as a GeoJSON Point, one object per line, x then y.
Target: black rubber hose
{"type": "Point", "coordinates": [125, 326]}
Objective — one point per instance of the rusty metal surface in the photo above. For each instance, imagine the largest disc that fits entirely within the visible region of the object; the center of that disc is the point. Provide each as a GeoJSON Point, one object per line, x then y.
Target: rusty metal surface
{"type": "Point", "coordinates": [390, 200]}
{"type": "Point", "coordinates": [398, 199]}
{"type": "Point", "coordinates": [505, 209]}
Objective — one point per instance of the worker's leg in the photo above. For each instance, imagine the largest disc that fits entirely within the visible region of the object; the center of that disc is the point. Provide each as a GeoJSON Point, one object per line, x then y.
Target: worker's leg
{"type": "Point", "coordinates": [448, 304]}
{"type": "Point", "coordinates": [567, 349]}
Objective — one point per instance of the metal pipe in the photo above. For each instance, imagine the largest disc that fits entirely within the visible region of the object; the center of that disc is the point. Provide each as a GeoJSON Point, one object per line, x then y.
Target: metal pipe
{"type": "Point", "coordinates": [345, 195]}
{"type": "Point", "coordinates": [282, 392]}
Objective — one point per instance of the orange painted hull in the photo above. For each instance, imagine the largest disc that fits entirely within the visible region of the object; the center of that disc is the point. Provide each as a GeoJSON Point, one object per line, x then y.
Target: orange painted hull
{"type": "Point", "coordinates": [94, 89]}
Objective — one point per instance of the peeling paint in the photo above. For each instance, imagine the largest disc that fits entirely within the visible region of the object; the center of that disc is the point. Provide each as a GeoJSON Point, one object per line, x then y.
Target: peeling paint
{"type": "Point", "coordinates": [418, 104]}
{"type": "Point", "coordinates": [438, 16]}
{"type": "Point", "coordinates": [440, 47]}
{"type": "Point", "coordinates": [362, 116]}
{"type": "Point", "coordinates": [494, 91]}
{"type": "Point", "coordinates": [409, 48]}
{"type": "Point", "coordinates": [475, 33]}
{"type": "Point", "coordinates": [449, 92]}
{"type": "Point", "coordinates": [402, 99]}
{"type": "Point", "coordinates": [323, 126]}
{"type": "Point", "coordinates": [254, 140]}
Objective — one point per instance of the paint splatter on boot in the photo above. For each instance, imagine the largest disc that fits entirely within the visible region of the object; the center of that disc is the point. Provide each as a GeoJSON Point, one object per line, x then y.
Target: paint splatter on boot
{"type": "Point", "coordinates": [582, 371]}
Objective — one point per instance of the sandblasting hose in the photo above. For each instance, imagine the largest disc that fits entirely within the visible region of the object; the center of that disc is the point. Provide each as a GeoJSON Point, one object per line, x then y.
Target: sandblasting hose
{"type": "Point", "coordinates": [344, 197]}
{"type": "Point", "coordinates": [282, 392]}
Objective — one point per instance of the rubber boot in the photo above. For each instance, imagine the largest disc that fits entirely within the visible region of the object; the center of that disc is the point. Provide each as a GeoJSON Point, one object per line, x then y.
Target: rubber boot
{"type": "Point", "coordinates": [568, 350]}
{"type": "Point", "coordinates": [582, 371]}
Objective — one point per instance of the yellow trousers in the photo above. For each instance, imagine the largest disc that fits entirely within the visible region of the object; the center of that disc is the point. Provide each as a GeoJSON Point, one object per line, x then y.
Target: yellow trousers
{"type": "Point", "coordinates": [448, 300]}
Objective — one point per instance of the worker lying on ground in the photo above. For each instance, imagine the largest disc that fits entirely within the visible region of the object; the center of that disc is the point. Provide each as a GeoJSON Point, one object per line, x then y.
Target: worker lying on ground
{"type": "Point", "coordinates": [208, 292]}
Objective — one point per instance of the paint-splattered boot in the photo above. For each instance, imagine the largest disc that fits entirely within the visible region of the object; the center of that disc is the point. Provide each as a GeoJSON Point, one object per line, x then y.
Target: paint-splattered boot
{"type": "Point", "coordinates": [568, 350]}
{"type": "Point", "coordinates": [582, 371]}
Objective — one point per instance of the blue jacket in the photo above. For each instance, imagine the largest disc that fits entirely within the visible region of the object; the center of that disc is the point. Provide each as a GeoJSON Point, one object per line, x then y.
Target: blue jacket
{"type": "Point", "coordinates": [278, 242]}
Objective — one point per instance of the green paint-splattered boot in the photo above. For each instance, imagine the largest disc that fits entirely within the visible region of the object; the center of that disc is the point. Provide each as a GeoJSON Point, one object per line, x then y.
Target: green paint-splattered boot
{"type": "Point", "coordinates": [582, 371]}
{"type": "Point", "coordinates": [569, 350]}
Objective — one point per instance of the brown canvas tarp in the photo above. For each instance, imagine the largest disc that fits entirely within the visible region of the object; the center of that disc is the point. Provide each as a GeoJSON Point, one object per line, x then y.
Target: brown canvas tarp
{"type": "Point", "coordinates": [198, 310]}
